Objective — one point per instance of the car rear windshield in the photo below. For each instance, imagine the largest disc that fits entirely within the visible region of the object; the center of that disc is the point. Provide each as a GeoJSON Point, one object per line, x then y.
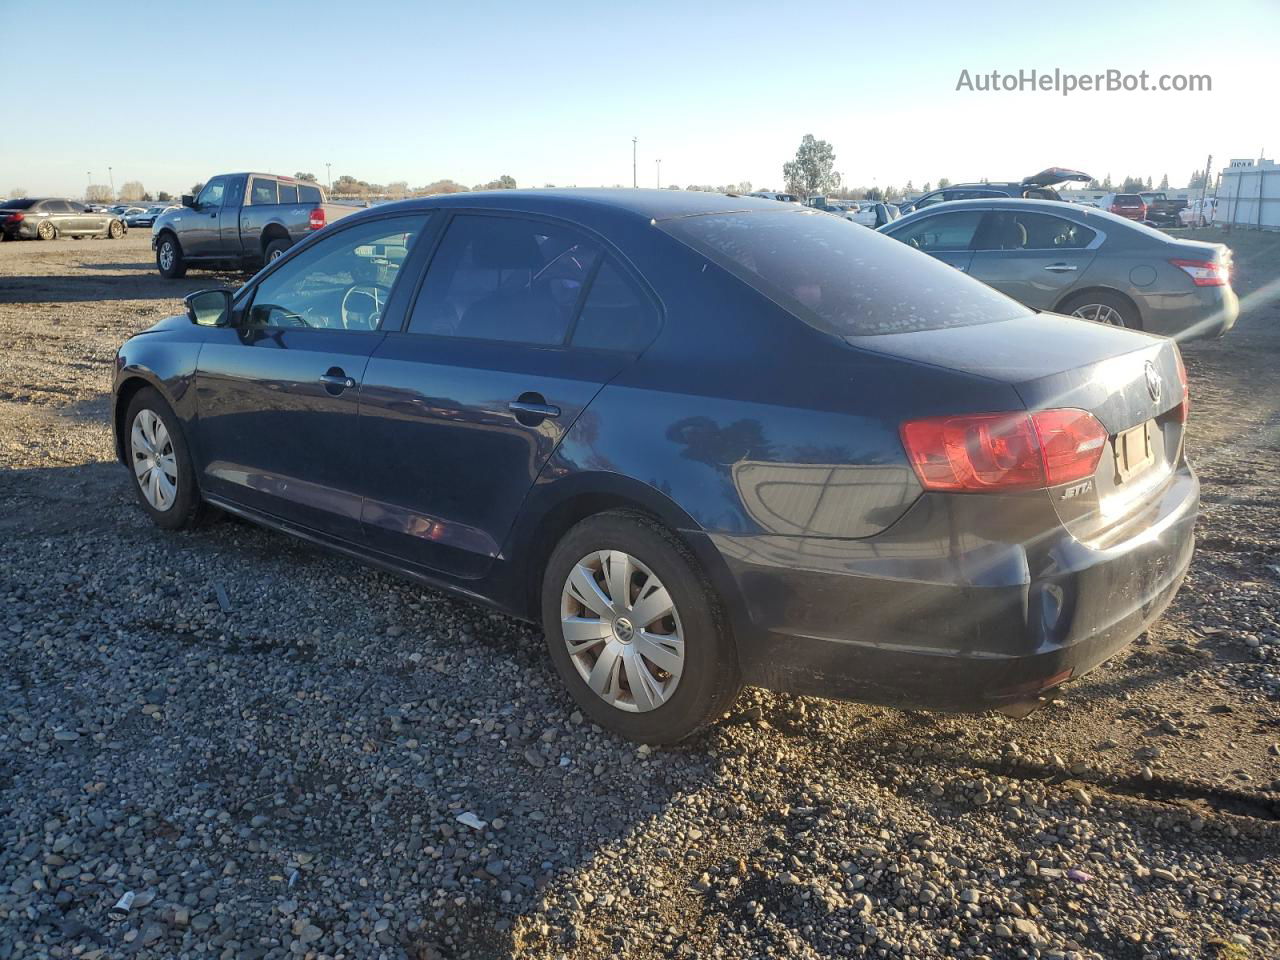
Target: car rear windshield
{"type": "Point", "coordinates": [841, 277]}
{"type": "Point", "coordinates": [24, 204]}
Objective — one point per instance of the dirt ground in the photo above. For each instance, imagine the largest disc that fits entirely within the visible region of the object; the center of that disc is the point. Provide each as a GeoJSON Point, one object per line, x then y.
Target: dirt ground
{"type": "Point", "coordinates": [1169, 752]}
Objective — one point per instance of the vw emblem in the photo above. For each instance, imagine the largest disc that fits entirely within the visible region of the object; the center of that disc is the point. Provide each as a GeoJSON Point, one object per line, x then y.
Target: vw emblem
{"type": "Point", "coordinates": [1154, 383]}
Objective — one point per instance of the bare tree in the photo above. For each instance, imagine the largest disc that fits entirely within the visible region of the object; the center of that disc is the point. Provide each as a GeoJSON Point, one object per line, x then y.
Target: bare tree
{"type": "Point", "coordinates": [132, 191]}
{"type": "Point", "coordinates": [197, 187]}
{"type": "Point", "coordinates": [440, 186]}
{"type": "Point", "coordinates": [398, 189]}
{"type": "Point", "coordinates": [18, 192]}
{"type": "Point", "coordinates": [309, 177]}
{"type": "Point", "coordinates": [98, 193]}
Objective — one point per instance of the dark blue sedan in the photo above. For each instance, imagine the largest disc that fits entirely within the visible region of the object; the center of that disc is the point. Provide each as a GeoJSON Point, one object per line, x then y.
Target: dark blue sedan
{"type": "Point", "coordinates": [705, 440]}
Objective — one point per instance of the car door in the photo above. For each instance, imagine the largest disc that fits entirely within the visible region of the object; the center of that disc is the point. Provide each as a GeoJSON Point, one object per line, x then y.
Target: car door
{"type": "Point", "coordinates": [200, 223]}
{"type": "Point", "coordinates": [1033, 257]}
{"type": "Point", "coordinates": [61, 216]}
{"type": "Point", "coordinates": [278, 393]}
{"type": "Point", "coordinates": [77, 218]}
{"type": "Point", "coordinates": [946, 235]}
{"type": "Point", "coordinates": [462, 409]}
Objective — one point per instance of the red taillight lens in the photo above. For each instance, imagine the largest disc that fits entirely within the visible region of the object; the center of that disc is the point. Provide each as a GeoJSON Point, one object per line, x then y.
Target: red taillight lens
{"type": "Point", "coordinates": [1114, 208]}
{"type": "Point", "coordinates": [1205, 273]}
{"type": "Point", "coordinates": [1004, 451]}
{"type": "Point", "coordinates": [1184, 408]}
{"type": "Point", "coordinates": [15, 218]}
{"type": "Point", "coordinates": [317, 219]}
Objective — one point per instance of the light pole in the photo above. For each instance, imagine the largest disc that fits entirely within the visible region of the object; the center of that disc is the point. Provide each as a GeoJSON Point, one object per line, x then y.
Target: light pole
{"type": "Point", "coordinates": [88, 174]}
{"type": "Point", "coordinates": [112, 178]}
{"type": "Point", "coordinates": [634, 183]}
{"type": "Point", "coordinates": [659, 176]}
{"type": "Point", "coordinates": [328, 175]}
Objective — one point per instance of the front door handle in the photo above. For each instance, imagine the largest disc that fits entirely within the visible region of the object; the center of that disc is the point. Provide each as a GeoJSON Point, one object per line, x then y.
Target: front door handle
{"type": "Point", "coordinates": [533, 409]}
{"type": "Point", "coordinates": [336, 378]}
{"type": "Point", "coordinates": [1061, 267]}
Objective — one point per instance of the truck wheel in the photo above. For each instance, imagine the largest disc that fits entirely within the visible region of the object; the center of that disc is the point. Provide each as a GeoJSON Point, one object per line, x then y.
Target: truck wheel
{"type": "Point", "coordinates": [47, 231]}
{"type": "Point", "coordinates": [275, 250]}
{"type": "Point", "coordinates": [169, 259]}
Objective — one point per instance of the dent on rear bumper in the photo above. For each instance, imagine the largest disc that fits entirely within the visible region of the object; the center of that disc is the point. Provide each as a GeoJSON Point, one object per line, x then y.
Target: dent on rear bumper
{"type": "Point", "coordinates": [950, 621]}
{"type": "Point", "coordinates": [1204, 312]}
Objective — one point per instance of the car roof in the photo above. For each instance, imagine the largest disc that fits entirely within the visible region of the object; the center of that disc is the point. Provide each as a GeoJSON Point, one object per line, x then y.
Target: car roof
{"type": "Point", "coordinates": [647, 204]}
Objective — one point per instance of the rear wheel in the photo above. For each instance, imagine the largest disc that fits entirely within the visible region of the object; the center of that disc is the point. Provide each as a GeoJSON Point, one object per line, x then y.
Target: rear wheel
{"type": "Point", "coordinates": [634, 630]}
{"type": "Point", "coordinates": [1103, 307]}
{"type": "Point", "coordinates": [46, 231]}
{"type": "Point", "coordinates": [163, 477]}
{"type": "Point", "coordinates": [169, 260]}
{"type": "Point", "coordinates": [275, 250]}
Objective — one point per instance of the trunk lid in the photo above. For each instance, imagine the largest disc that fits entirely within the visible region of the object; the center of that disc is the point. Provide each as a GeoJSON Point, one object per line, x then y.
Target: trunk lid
{"type": "Point", "coordinates": [1129, 381]}
{"type": "Point", "coordinates": [1053, 175]}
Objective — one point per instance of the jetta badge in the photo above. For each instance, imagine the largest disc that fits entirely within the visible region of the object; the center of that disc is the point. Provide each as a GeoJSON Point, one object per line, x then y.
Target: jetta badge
{"type": "Point", "coordinates": [1154, 383]}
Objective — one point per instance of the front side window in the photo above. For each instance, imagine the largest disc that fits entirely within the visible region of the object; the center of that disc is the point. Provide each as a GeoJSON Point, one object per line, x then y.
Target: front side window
{"type": "Point", "coordinates": [262, 191]}
{"type": "Point", "coordinates": [840, 277]}
{"type": "Point", "coordinates": [1004, 230]}
{"type": "Point", "coordinates": [504, 278]}
{"type": "Point", "coordinates": [929, 199]}
{"type": "Point", "coordinates": [343, 282]}
{"type": "Point", "coordinates": [943, 232]}
{"type": "Point", "coordinates": [211, 195]}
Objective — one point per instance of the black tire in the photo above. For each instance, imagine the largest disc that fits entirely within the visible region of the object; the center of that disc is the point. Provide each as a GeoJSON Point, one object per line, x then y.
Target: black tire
{"type": "Point", "coordinates": [275, 250]}
{"type": "Point", "coordinates": [115, 230]}
{"type": "Point", "coordinates": [709, 680]}
{"type": "Point", "coordinates": [188, 509]}
{"type": "Point", "coordinates": [169, 251]}
{"type": "Point", "coordinates": [1129, 317]}
{"type": "Point", "coordinates": [47, 231]}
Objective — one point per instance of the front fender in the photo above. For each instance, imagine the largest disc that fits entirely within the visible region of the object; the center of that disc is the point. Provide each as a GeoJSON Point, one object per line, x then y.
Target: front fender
{"type": "Point", "coordinates": [163, 358]}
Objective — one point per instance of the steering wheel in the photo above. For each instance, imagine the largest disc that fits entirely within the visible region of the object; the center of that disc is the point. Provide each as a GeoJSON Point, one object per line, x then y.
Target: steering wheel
{"type": "Point", "coordinates": [368, 319]}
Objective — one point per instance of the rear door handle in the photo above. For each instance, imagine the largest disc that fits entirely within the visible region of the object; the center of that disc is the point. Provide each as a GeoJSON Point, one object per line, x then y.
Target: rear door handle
{"type": "Point", "coordinates": [533, 409]}
{"type": "Point", "coordinates": [1061, 267]}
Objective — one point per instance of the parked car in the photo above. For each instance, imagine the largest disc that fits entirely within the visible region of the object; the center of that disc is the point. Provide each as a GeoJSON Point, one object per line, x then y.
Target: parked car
{"type": "Point", "coordinates": [47, 218]}
{"type": "Point", "coordinates": [703, 440]}
{"type": "Point", "coordinates": [874, 213]}
{"type": "Point", "coordinates": [1038, 186]}
{"type": "Point", "coordinates": [1199, 213]}
{"type": "Point", "coordinates": [771, 195]}
{"type": "Point", "coordinates": [1127, 205]}
{"type": "Point", "coordinates": [1088, 263]}
{"type": "Point", "coordinates": [1162, 211]}
{"type": "Point", "coordinates": [147, 217]}
{"type": "Point", "coordinates": [240, 220]}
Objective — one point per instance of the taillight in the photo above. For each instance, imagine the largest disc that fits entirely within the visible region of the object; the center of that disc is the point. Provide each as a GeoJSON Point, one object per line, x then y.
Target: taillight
{"type": "Point", "coordinates": [1004, 451]}
{"type": "Point", "coordinates": [15, 218]}
{"type": "Point", "coordinates": [1114, 208]}
{"type": "Point", "coordinates": [1184, 409]}
{"type": "Point", "coordinates": [317, 219]}
{"type": "Point", "coordinates": [1205, 273]}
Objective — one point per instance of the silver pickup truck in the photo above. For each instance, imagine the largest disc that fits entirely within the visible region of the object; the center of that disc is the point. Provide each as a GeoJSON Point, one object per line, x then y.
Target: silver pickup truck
{"type": "Point", "coordinates": [240, 220]}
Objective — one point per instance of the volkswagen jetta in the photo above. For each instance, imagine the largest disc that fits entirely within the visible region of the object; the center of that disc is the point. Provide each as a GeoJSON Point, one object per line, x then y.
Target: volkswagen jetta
{"type": "Point", "coordinates": [704, 440]}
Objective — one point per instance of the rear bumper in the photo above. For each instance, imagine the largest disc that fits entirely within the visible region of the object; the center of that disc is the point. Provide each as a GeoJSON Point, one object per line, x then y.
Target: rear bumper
{"type": "Point", "coordinates": [929, 616]}
{"type": "Point", "coordinates": [1204, 312]}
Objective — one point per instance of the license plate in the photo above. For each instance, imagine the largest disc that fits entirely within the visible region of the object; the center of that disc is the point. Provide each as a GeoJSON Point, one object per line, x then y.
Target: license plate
{"type": "Point", "coordinates": [1134, 452]}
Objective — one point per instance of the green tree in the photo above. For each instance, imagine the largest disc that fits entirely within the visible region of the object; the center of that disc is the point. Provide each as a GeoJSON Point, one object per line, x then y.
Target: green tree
{"type": "Point", "coordinates": [309, 177]}
{"type": "Point", "coordinates": [1164, 182]}
{"type": "Point", "coordinates": [943, 183]}
{"type": "Point", "coordinates": [925, 188]}
{"type": "Point", "coordinates": [812, 171]}
{"type": "Point", "coordinates": [1132, 185]}
{"type": "Point", "coordinates": [1198, 179]}
{"type": "Point", "coordinates": [164, 197]}
{"type": "Point", "coordinates": [197, 187]}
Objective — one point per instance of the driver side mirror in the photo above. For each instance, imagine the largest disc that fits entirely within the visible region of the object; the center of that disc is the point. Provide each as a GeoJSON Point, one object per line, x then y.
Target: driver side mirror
{"type": "Point", "coordinates": [188, 200]}
{"type": "Point", "coordinates": [209, 308]}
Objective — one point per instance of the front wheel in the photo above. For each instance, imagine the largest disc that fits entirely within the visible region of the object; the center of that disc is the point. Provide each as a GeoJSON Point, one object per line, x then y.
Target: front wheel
{"type": "Point", "coordinates": [169, 260]}
{"type": "Point", "coordinates": [116, 230]}
{"type": "Point", "coordinates": [47, 231]}
{"type": "Point", "coordinates": [634, 629]}
{"type": "Point", "coordinates": [163, 476]}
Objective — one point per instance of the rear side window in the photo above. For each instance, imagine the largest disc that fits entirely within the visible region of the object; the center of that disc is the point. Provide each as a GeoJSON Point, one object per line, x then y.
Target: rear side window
{"type": "Point", "coordinates": [288, 193]}
{"type": "Point", "coordinates": [504, 278]}
{"type": "Point", "coordinates": [841, 277]}
{"type": "Point", "coordinates": [1031, 231]}
{"type": "Point", "coordinates": [616, 315]}
{"type": "Point", "coordinates": [262, 192]}
{"type": "Point", "coordinates": [308, 194]}
{"type": "Point", "coordinates": [57, 206]}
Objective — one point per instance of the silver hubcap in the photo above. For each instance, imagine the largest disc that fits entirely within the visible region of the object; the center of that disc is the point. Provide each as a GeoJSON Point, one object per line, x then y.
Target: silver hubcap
{"type": "Point", "coordinates": [154, 464]}
{"type": "Point", "coordinates": [622, 631]}
{"type": "Point", "coordinates": [1100, 313]}
{"type": "Point", "coordinates": [166, 255]}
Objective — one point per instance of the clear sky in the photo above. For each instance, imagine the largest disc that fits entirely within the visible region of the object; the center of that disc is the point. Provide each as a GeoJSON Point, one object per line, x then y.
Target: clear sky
{"type": "Point", "coordinates": [553, 92]}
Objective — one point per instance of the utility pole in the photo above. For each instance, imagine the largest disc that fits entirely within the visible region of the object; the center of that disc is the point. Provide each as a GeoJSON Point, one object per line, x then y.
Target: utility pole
{"type": "Point", "coordinates": [634, 183]}
{"type": "Point", "coordinates": [112, 177]}
{"type": "Point", "coordinates": [659, 177]}
{"type": "Point", "coordinates": [1204, 184]}
{"type": "Point", "coordinates": [328, 175]}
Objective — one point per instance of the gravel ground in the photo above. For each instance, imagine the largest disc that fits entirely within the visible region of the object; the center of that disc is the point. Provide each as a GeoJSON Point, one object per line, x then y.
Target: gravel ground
{"type": "Point", "coordinates": [284, 754]}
